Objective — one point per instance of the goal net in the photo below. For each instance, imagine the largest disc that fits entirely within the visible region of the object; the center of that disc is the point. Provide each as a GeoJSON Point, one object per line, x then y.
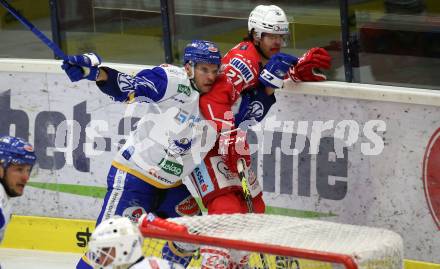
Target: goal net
{"type": "Point", "coordinates": [279, 241]}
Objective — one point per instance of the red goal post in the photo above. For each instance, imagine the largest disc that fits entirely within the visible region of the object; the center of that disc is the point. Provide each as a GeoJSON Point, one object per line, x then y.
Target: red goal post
{"type": "Point", "coordinates": [348, 245]}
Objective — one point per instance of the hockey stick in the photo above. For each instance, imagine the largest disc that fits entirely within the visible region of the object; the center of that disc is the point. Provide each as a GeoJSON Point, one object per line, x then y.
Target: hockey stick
{"type": "Point", "coordinates": [58, 52]}
{"type": "Point", "coordinates": [280, 261]}
{"type": "Point", "coordinates": [241, 165]}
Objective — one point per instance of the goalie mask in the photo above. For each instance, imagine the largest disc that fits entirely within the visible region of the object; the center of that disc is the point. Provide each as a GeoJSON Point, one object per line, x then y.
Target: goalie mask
{"type": "Point", "coordinates": [116, 243]}
{"type": "Point", "coordinates": [268, 19]}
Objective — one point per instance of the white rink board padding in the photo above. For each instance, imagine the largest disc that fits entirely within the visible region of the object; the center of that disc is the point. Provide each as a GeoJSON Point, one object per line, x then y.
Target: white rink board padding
{"type": "Point", "coordinates": [392, 188]}
{"type": "Point", "coordinates": [369, 248]}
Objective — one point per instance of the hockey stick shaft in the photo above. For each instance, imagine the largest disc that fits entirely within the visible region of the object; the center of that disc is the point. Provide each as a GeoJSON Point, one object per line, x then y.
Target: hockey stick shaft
{"type": "Point", "coordinates": [54, 47]}
{"type": "Point", "coordinates": [241, 164]}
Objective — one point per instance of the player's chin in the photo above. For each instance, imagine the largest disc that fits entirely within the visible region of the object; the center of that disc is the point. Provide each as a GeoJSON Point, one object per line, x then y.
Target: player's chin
{"type": "Point", "coordinates": [19, 189]}
{"type": "Point", "coordinates": [274, 51]}
{"type": "Point", "coordinates": [206, 88]}
{"type": "Point", "coordinates": [16, 192]}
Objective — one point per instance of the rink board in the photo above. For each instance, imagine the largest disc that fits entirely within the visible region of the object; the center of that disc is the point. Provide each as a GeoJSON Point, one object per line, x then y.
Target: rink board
{"type": "Point", "coordinates": [70, 235]}
{"type": "Point", "coordinates": [351, 153]}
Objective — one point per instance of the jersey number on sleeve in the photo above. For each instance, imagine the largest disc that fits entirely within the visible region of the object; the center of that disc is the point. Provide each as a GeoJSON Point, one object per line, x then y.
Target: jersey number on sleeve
{"type": "Point", "coordinates": [234, 77]}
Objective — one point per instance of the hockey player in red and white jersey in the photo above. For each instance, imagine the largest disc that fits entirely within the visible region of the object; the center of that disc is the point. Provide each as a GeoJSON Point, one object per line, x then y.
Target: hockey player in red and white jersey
{"type": "Point", "coordinates": [243, 94]}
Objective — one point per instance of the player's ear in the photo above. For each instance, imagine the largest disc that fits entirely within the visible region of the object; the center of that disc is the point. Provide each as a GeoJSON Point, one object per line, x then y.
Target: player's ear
{"type": "Point", "coordinates": [188, 69]}
{"type": "Point", "coordinates": [256, 39]}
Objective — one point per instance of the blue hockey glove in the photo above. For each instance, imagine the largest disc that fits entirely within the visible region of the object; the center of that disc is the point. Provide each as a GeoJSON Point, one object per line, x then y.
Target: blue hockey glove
{"type": "Point", "coordinates": [275, 70]}
{"type": "Point", "coordinates": [83, 66]}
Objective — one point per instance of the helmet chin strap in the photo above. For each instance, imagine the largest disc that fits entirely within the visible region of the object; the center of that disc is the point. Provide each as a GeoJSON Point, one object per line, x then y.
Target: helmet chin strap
{"type": "Point", "coordinates": [192, 65]}
{"type": "Point", "coordinates": [193, 84]}
{"type": "Point", "coordinates": [191, 78]}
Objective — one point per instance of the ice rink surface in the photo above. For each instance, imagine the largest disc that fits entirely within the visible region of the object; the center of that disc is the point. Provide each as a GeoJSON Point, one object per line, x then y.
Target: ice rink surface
{"type": "Point", "coordinates": [36, 259]}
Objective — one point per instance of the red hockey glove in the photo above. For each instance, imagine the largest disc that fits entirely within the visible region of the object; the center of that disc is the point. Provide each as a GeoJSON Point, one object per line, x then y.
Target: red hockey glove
{"type": "Point", "coordinates": [232, 147]}
{"type": "Point", "coordinates": [307, 68]}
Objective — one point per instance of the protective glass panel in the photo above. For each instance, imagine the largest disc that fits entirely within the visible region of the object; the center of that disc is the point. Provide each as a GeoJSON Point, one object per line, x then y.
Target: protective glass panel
{"type": "Point", "coordinates": [19, 42]}
{"type": "Point", "coordinates": [120, 31]}
{"type": "Point", "coordinates": [399, 42]}
{"type": "Point", "coordinates": [312, 24]}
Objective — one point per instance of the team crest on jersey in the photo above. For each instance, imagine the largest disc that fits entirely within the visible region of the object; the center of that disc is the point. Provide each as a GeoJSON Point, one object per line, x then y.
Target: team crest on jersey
{"type": "Point", "coordinates": [184, 89]}
{"type": "Point", "coordinates": [178, 147]}
{"type": "Point", "coordinates": [133, 213]}
{"type": "Point", "coordinates": [255, 110]}
{"type": "Point", "coordinates": [188, 207]}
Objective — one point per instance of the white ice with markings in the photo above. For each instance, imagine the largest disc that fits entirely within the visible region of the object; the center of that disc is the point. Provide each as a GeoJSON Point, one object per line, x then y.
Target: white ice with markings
{"type": "Point", "coordinates": [36, 259]}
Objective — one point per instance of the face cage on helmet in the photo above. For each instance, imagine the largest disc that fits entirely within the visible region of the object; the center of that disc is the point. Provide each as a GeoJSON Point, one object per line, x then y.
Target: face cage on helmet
{"type": "Point", "coordinates": [101, 257]}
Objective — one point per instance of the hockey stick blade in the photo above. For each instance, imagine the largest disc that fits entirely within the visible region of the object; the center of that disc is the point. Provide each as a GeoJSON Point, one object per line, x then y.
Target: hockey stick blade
{"type": "Point", "coordinates": [58, 52]}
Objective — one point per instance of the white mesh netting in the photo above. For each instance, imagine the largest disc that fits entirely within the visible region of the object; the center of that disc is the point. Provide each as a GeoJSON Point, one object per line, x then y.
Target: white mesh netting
{"type": "Point", "coordinates": [370, 247]}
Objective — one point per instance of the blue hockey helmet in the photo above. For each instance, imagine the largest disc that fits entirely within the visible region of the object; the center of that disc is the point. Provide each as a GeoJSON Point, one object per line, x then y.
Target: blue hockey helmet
{"type": "Point", "coordinates": [14, 150]}
{"type": "Point", "coordinates": [202, 51]}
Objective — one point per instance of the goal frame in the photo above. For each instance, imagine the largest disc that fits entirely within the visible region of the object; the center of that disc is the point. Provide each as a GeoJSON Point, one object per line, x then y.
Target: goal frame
{"type": "Point", "coordinates": [154, 227]}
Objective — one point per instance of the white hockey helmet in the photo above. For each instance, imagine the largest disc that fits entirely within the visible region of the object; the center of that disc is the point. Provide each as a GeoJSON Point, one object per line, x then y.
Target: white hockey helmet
{"type": "Point", "coordinates": [115, 243]}
{"type": "Point", "coordinates": [268, 19]}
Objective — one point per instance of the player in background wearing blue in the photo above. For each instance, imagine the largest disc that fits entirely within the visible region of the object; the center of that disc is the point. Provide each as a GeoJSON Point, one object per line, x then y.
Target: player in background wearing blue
{"type": "Point", "coordinates": [168, 143]}
{"type": "Point", "coordinates": [17, 158]}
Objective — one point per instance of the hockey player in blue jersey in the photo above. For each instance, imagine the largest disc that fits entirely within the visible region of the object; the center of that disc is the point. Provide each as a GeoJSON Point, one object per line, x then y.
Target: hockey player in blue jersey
{"type": "Point", "coordinates": [17, 158]}
{"type": "Point", "coordinates": [169, 141]}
